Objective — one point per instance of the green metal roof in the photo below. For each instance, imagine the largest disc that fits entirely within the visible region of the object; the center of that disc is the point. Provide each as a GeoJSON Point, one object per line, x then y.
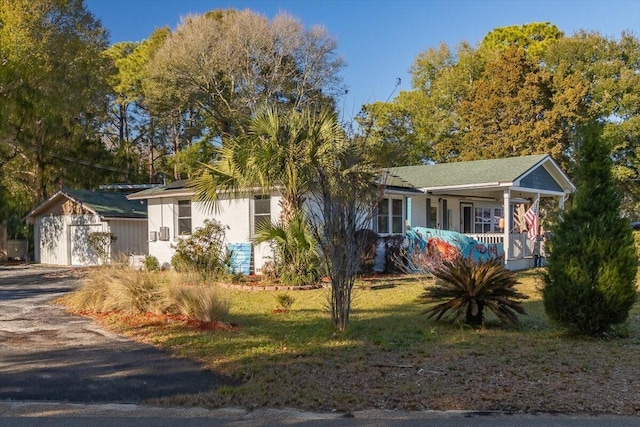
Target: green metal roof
{"type": "Point", "coordinates": [467, 173]}
{"type": "Point", "coordinates": [109, 204]}
{"type": "Point", "coordinates": [390, 180]}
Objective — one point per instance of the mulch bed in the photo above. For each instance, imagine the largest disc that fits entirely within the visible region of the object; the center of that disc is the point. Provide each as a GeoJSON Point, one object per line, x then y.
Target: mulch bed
{"type": "Point", "coordinates": [141, 320]}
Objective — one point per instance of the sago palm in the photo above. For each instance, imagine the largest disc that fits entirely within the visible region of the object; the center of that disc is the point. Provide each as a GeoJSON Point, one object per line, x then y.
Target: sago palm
{"type": "Point", "coordinates": [465, 287]}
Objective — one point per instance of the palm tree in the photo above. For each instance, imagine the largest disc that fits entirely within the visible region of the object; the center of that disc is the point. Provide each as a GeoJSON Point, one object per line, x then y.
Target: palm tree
{"type": "Point", "coordinates": [277, 151]}
{"type": "Point", "coordinates": [296, 256]}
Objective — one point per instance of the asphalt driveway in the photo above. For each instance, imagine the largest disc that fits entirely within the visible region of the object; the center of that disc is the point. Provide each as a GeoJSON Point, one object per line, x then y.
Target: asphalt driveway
{"type": "Point", "coordinates": [48, 354]}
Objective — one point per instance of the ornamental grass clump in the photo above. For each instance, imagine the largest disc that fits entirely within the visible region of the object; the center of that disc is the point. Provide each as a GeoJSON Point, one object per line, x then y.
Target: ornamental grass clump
{"type": "Point", "coordinates": [117, 288]}
{"type": "Point", "coordinates": [122, 289]}
{"type": "Point", "coordinates": [465, 287]}
{"type": "Point", "coordinates": [200, 302]}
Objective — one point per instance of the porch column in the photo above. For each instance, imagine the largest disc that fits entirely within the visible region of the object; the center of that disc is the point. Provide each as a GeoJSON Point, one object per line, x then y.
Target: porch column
{"type": "Point", "coordinates": [506, 208]}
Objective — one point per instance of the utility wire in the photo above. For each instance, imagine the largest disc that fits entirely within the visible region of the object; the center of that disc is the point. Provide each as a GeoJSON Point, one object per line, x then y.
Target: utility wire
{"type": "Point", "coordinates": [75, 160]}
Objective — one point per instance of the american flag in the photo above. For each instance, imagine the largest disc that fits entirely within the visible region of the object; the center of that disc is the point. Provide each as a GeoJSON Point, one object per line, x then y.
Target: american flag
{"type": "Point", "coordinates": [532, 218]}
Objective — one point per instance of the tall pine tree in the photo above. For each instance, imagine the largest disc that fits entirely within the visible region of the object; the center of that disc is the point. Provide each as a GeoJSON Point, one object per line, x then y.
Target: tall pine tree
{"type": "Point", "coordinates": [590, 281]}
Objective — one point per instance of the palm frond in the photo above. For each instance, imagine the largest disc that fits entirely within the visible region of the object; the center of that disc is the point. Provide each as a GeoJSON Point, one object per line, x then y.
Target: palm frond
{"type": "Point", "coordinates": [465, 287]}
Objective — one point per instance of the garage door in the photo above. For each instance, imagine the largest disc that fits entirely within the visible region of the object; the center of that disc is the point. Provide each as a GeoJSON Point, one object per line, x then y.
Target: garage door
{"type": "Point", "coordinates": [81, 253]}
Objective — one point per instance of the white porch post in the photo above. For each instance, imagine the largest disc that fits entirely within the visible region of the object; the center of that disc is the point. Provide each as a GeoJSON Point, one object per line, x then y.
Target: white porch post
{"type": "Point", "coordinates": [507, 224]}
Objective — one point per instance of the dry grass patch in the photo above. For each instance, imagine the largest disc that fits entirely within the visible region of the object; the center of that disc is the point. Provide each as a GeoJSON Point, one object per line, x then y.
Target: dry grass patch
{"type": "Point", "coordinates": [123, 290]}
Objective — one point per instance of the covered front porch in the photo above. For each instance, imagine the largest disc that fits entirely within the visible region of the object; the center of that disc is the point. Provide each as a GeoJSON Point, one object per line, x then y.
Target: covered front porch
{"type": "Point", "coordinates": [487, 200]}
{"type": "Point", "coordinates": [508, 227]}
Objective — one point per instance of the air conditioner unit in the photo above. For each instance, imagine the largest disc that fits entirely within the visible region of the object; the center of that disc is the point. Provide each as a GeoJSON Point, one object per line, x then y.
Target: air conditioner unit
{"type": "Point", "coordinates": [153, 236]}
{"type": "Point", "coordinates": [164, 233]}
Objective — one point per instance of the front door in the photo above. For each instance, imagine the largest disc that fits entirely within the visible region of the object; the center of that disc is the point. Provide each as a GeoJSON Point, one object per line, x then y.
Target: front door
{"type": "Point", "coordinates": [466, 214]}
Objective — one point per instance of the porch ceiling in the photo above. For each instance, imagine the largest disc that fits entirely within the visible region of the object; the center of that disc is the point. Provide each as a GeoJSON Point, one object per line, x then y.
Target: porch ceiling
{"type": "Point", "coordinates": [491, 193]}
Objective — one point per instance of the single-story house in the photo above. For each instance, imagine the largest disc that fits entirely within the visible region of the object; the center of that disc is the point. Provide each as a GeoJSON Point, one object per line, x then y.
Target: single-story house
{"type": "Point", "coordinates": [174, 211]}
{"type": "Point", "coordinates": [63, 223]}
{"type": "Point", "coordinates": [485, 199]}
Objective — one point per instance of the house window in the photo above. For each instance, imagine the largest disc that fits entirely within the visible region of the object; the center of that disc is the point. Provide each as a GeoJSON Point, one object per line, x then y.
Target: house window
{"type": "Point", "coordinates": [432, 215]}
{"type": "Point", "coordinates": [261, 211]}
{"type": "Point", "coordinates": [390, 216]}
{"type": "Point", "coordinates": [383, 216]}
{"type": "Point", "coordinates": [487, 220]}
{"type": "Point", "coordinates": [445, 215]}
{"type": "Point", "coordinates": [184, 217]}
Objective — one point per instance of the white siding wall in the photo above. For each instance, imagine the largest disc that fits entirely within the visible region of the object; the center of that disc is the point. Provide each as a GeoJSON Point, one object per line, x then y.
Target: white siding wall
{"type": "Point", "coordinates": [131, 237]}
{"type": "Point", "coordinates": [53, 236]}
{"type": "Point", "coordinates": [418, 211]}
{"type": "Point", "coordinates": [236, 214]}
{"type": "Point", "coordinates": [161, 214]}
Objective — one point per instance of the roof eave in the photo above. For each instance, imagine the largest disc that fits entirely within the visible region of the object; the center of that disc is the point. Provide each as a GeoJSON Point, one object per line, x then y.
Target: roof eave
{"type": "Point", "coordinates": [160, 194]}
{"type": "Point", "coordinates": [30, 217]}
{"type": "Point", "coordinates": [478, 186]}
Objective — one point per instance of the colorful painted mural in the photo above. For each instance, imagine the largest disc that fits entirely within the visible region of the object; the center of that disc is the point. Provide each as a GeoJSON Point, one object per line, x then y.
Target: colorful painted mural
{"type": "Point", "coordinates": [449, 244]}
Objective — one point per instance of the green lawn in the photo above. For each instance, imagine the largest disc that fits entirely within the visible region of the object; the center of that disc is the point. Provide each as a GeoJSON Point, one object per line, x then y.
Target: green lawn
{"type": "Point", "coordinates": [393, 357]}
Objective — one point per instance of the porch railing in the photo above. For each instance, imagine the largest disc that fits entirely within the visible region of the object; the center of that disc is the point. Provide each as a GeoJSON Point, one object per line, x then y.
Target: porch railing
{"type": "Point", "coordinates": [520, 246]}
{"type": "Point", "coordinates": [487, 237]}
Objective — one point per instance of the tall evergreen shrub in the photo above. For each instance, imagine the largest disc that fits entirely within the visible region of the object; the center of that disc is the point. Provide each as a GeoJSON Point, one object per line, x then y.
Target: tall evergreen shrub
{"type": "Point", "coordinates": [591, 273]}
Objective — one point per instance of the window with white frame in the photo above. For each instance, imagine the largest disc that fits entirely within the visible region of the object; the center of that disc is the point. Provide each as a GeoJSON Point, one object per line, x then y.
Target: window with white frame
{"type": "Point", "coordinates": [261, 211]}
{"type": "Point", "coordinates": [390, 218]}
{"type": "Point", "coordinates": [487, 219]}
{"type": "Point", "coordinates": [184, 217]}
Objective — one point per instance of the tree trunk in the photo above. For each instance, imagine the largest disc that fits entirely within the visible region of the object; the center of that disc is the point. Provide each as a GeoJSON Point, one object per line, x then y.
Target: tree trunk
{"type": "Point", "coordinates": [475, 313]}
{"type": "Point", "coordinates": [340, 301]}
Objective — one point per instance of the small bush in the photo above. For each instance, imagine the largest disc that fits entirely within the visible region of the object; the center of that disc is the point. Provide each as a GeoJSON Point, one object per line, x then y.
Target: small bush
{"type": "Point", "coordinates": [465, 287]}
{"type": "Point", "coordinates": [368, 240]}
{"type": "Point", "coordinates": [395, 254]}
{"type": "Point", "coordinates": [151, 263]}
{"type": "Point", "coordinates": [204, 251]}
{"type": "Point", "coordinates": [295, 261]}
{"type": "Point", "coordinates": [285, 301]}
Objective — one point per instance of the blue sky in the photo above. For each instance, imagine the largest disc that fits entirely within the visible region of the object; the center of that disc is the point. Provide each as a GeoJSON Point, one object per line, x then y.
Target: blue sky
{"type": "Point", "coordinates": [379, 39]}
